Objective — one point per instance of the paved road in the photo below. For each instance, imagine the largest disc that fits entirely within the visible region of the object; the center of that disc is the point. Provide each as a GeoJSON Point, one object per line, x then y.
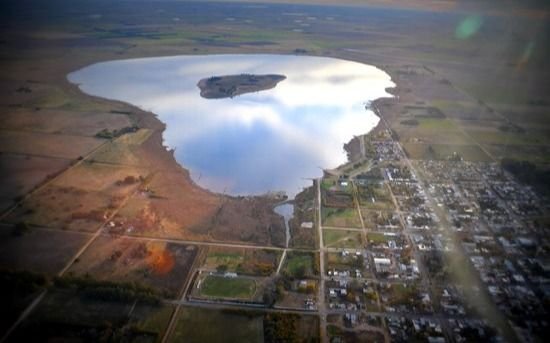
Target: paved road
{"type": "Point", "coordinates": [281, 262]}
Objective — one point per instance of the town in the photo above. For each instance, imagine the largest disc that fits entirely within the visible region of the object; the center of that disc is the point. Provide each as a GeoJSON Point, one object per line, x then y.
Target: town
{"type": "Point", "coordinates": [417, 213]}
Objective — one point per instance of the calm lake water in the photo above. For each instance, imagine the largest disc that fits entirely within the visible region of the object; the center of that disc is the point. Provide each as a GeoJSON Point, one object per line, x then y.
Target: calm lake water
{"type": "Point", "coordinates": [271, 140]}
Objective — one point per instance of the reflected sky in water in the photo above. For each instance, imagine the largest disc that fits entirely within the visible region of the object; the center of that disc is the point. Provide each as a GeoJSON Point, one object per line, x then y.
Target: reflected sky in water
{"type": "Point", "coordinates": [254, 143]}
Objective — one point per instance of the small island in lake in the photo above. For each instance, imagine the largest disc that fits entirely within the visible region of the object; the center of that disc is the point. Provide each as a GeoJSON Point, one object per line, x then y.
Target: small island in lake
{"type": "Point", "coordinates": [219, 87]}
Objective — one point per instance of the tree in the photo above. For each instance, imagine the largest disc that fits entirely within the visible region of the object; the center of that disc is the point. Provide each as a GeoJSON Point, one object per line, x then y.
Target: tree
{"type": "Point", "coordinates": [222, 268]}
{"type": "Point", "coordinates": [300, 272]}
{"type": "Point", "coordinates": [359, 262]}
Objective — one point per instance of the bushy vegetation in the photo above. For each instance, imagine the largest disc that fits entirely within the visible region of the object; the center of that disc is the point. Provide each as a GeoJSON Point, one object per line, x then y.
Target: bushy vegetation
{"type": "Point", "coordinates": [14, 282]}
{"type": "Point", "coordinates": [281, 327]}
{"type": "Point", "coordinates": [108, 134]}
{"type": "Point", "coordinates": [107, 290]}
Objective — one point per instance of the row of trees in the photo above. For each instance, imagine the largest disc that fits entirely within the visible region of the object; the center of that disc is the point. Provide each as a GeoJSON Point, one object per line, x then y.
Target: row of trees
{"type": "Point", "coordinates": [21, 282]}
{"type": "Point", "coordinates": [107, 290]}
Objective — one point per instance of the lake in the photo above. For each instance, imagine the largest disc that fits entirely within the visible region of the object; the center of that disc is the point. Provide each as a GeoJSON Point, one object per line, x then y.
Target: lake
{"type": "Point", "coordinates": [271, 140]}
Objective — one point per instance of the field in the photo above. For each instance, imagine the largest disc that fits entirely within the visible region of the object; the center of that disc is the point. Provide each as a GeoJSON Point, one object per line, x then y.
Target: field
{"type": "Point", "coordinates": [381, 220]}
{"type": "Point", "coordinates": [63, 315]}
{"type": "Point", "coordinates": [400, 294]}
{"type": "Point", "coordinates": [337, 197]}
{"type": "Point", "coordinates": [296, 295]}
{"type": "Point", "coordinates": [21, 174]}
{"type": "Point", "coordinates": [49, 145]}
{"type": "Point", "coordinates": [63, 122]}
{"type": "Point", "coordinates": [303, 237]}
{"type": "Point", "coordinates": [341, 217]}
{"type": "Point", "coordinates": [374, 196]}
{"type": "Point", "coordinates": [163, 266]}
{"type": "Point", "coordinates": [173, 207]}
{"type": "Point", "coordinates": [125, 149]}
{"type": "Point", "coordinates": [337, 261]}
{"type": "Point", "coordinates": [40, 251]}
{"type": "Point", "coordinates": [103, 178]}
{"type": "Point", "coordinates": [301, 264]}
{"type": "Point", "coordinates": [243, 261]}
{"type": "Point", "coordinates": [197, 325]}
{"type": "Point", "coordinates": [308, 328]}
{"type": "Point", "coordinates": [226, 287]}
{"type": "Point", "coordinates": [229, 258]}
{"type": "Point", "coordinates": [64, 208]}
{"type": "Point", "coordinates": [376, 237]}
{"type": "Point", "coordinates": [342, 239]}
{"type": "Point", "coordinates": [445, 151]}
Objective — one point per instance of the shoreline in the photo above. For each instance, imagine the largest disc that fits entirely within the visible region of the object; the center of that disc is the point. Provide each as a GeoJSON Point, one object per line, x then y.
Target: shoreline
{"type": "Point", "coordinates": [150, 120]}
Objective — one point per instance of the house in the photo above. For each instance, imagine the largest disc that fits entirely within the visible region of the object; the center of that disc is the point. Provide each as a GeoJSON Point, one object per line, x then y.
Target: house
{"type": "Point", "coordinates": [306, 225]}
{"type": "Point", "coordinates": [351, 318]}
{"type": "Point", "coordinates": [382, 265]}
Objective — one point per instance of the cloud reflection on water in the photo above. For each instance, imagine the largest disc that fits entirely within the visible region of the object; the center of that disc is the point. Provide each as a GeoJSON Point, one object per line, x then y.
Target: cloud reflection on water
{"type": "Point", "coordinates": [257, 142]}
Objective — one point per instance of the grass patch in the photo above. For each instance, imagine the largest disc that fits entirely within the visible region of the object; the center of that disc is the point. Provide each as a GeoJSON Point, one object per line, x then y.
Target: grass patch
{"type": "Point", "coordinates": [257, 262]}
{"type": "Point", "coordinates": [300, 265]}
{"type": "Point", "coordinates": [507, 138]}
{"type": "Point", "coordinates": [342, 238]}
{"type": "Point", "coordinates": [435, 124]}
{"type": "Point", "coordinates": [374, 197]}
{"type": "Point", "coordinates": [152, 318]}
{"type": "Point", "coordinates": [222, 287]}
{"type": "Point", "coordinates": [341, 217]}
{"type": "Point", "coordinates": [197, 325]}
{"type": "Point", "coordinates": [377, 238]}
{"type": "Point", "coordinates": [418, 151]}
{"type": "Point", "coordinates": [231, 259]}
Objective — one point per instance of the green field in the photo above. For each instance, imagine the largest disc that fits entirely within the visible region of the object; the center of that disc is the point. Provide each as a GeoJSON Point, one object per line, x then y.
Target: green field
{"type": "Point", "coordinates": [152, 318]}
{"type": "Point", "coordinates": [376, 237]}
{"type": "Point", "coordinates": [509, 138]}
{"type": "Point", "coordinates": [231, 259]}
{"type": "Point", "coordinates": [197, 325]}
{"type": "Point", "coordinates": [341, 217]}
{"type": "Point", "coordinates": [419, 151]}
{"type": "Point", "coordinates": [342, 238]}
{"type": "Point", "coordinates": [224, 287]}
{"type": "Point", "coordinates": [300, 264]}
